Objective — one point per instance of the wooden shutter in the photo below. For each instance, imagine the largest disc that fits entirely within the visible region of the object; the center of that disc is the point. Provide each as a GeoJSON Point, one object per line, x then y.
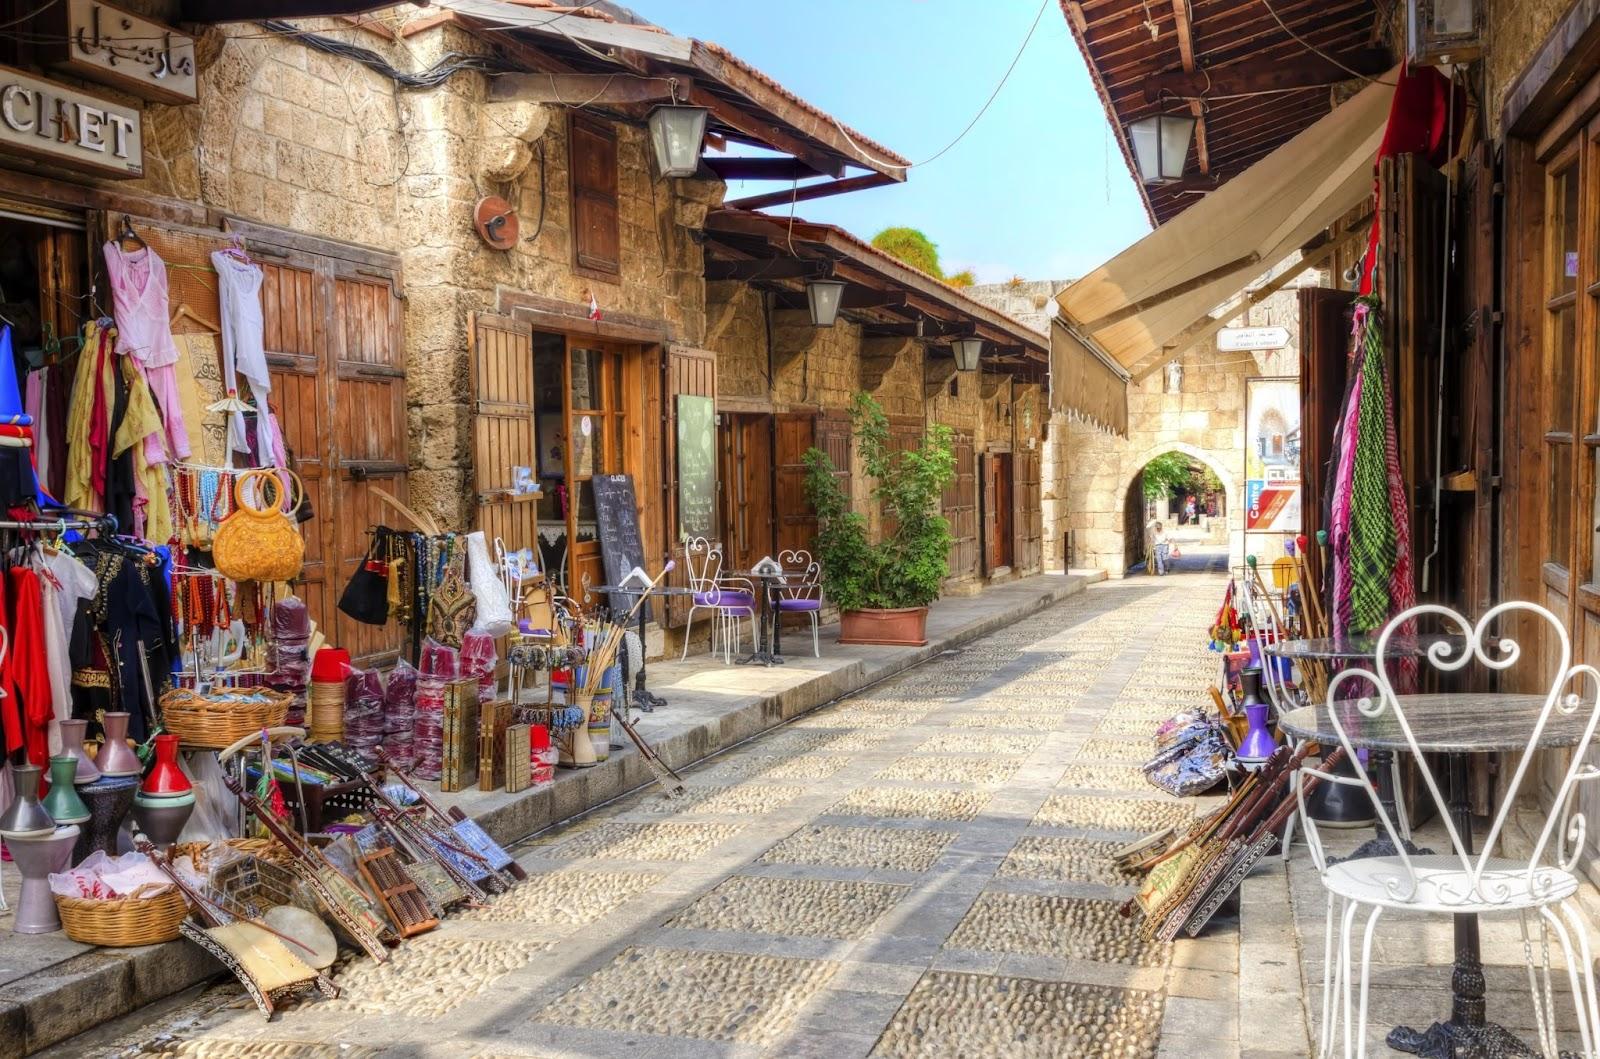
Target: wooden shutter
{"type": "Point", "coordinates": [596, 238]}
{"type": "Point", "coordinates": [905, 435]}
{"type": "Point", "coordinates": [1030, 515]}
{"type": "Point", "coordinates": [1324, 351]}
{"type": "Point", "coordinates": [369, 438]}
{"type": "Point", "coordinates": [501, 380]}
{"type": "Point", "coordinates": [693, 372]}
{"type": "Point", "coordinates": [795, 433]}
{"type": "Point", "coordinates": [960, 507]}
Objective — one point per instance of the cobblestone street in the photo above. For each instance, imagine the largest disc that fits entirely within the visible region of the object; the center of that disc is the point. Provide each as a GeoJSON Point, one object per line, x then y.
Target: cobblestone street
{"type": "Point", "coordinates": [919, 870]}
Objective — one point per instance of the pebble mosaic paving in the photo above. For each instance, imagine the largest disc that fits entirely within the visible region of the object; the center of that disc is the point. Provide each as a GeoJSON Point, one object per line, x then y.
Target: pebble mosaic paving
{"type": "Point", "coordinates": [921, 871]}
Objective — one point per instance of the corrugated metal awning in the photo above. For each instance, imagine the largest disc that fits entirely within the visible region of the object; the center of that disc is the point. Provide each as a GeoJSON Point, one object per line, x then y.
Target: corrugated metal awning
{"type": "Point", "coordinates": [1148, 294]}
{"type": "Point", "coordinates": [1085, 384]}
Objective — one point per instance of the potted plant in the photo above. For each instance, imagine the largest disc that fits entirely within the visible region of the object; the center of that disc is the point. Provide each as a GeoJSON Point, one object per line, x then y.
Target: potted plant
{"type": "Point", "coordinates": [883, 588]}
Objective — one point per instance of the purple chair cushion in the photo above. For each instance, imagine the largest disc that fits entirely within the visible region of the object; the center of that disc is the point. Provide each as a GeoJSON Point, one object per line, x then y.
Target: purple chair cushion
{"type": "Point", "coordinates": [726, 598]}
{"type": "Point", "coordinates": [799, 604]}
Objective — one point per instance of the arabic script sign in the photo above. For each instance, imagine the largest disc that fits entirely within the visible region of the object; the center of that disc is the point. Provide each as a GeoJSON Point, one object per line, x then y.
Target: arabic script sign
{"type": "Point", "coordinates": [112, 46]}
{"type": "Point", "coordinates": [54, 123]}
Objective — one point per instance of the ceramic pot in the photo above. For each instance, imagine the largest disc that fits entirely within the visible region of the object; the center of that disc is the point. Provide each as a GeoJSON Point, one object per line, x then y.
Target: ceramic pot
{"type": "Point", "coordinates": [116, 758]}
{"type": "Point", "coordinates": [161, 820]}
{"type": "Point", "coordinates": [901, 627]}
{"type": "Point", "coordinates": [63, 803]}
{"type": "Point", "coordinates": [1258, 742]}
{"type": "Point", "coordinates": [109, 799]}
{"type": "Point", "coordinates": [165, 777]}
{"type": "Point", "coordinates": [72, 733]}
{"type": "Point", "coordinates": [25, 817]}
{"type": "Point", "coordinates": [36, 858]}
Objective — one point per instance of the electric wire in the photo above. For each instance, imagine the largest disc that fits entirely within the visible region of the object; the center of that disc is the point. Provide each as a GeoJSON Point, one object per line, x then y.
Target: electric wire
{"type": "Point", "coordinates": [35, 13]}
{"type": "Point", "coordinates": [1313, 49]}
{"type": "Point", "coordinates": [867, 156]}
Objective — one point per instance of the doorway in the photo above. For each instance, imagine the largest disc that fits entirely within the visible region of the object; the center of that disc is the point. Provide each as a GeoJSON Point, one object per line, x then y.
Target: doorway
{"type": "Point", "coordinates": [745, 451]}
{"type": "Point", "coordinates": [998, 513]}
{"type": "Point", "coordinates": [582, 414]}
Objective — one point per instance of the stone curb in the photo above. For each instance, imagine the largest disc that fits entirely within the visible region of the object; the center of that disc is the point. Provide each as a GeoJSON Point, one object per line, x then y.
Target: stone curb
{"type": "Point", "coordinates": [58, 1002]}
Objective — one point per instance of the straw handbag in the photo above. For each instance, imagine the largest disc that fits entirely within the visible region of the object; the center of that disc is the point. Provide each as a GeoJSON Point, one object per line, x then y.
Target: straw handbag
{"type": "Point", "coordinates": [260, 543]}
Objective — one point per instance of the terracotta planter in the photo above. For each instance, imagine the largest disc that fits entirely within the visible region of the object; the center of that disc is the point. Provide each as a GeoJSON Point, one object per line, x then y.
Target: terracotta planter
{"type": "Point", "coordinates": [901, 627]}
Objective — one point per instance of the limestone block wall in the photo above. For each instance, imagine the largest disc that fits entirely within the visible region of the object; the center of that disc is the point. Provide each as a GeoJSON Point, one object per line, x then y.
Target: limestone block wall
{"type": "Point", "coordinates": [1205, 419]}
{"type": "Point", "coordinates": [736, 332]}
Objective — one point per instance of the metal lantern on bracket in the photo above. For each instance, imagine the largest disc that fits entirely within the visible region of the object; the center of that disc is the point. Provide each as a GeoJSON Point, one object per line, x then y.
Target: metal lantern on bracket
{"type": "Point", "coordinates": [823, 297]}
{"type": "Point", "coordinates": [967, 351]}
{"type": "Point", "coordinates": [676, 133]}
{"type": "Point", "coordinates": [1444, 32]}
{"type": "Point", "coordinates": [1161, 146]}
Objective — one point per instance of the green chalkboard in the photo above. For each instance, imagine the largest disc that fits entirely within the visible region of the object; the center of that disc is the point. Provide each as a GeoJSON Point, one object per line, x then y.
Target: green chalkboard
{"type": "Point", "coordinates": [697, 466]}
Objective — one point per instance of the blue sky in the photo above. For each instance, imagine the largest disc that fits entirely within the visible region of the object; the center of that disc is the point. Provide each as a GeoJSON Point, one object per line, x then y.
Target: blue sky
{"type": "Point", "coordinates": [1036, 189]}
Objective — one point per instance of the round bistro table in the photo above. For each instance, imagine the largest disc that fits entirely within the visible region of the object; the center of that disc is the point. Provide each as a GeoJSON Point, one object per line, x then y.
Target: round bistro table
{"type": "Point", "coordinates": [1453, 724]}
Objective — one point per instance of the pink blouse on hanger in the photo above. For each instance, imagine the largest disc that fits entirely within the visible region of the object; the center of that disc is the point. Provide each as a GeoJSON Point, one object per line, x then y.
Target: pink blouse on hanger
{"type": "Point", "coordinates": [144, 332]}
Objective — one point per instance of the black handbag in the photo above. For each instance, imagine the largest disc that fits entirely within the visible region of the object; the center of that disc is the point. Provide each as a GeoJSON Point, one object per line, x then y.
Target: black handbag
{"type": "Point", "coordinates": [366, 597]}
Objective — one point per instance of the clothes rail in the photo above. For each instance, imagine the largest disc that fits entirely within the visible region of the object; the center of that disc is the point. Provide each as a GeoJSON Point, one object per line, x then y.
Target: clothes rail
{"type": "Point", "coordinates": [69, 522]}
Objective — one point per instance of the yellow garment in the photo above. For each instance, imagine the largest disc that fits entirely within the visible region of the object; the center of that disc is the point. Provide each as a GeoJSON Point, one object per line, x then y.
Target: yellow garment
{"type": "Point", "coordinates": [195, 350]}
{"type": "Point", "coordinates": [141, 420]}
{"type": "Point", "coordinates": [79, 491]}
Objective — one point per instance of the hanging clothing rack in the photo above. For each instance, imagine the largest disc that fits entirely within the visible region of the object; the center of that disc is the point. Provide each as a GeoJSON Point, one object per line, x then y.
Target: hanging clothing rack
{"type": "Point", "coordinates": [81, 523]}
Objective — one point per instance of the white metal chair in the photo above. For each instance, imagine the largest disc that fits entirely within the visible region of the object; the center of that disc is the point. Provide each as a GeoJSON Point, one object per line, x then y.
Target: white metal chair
{"type": "Point", "coordinates": [1460, 882]}
{"type": "Point", "coordinates": [801, 591]}
{"type": "Point", "coordinates": [728, 598]}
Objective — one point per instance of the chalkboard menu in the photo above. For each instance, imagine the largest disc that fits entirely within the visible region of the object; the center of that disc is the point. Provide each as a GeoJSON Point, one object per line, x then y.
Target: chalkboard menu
{"type": "Point", "coordinates": [617, 514]}
{"type": "Point", "coordinates": [697, 466]}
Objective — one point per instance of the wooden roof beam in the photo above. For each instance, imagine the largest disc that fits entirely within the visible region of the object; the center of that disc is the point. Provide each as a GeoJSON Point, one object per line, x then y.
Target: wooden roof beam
{"type": "Point", "coordinates": [1247, 77]}
{"type": "Point", "coordinates": [764, 133]}
{"type": "Point", "coordinates": [807, 192]}
{"type": "Point", "coordinates": [573, 89]}
{"type": "Point", "coordinates": [737, 168]}
{"type": "Point", "coordinates": [768, 268]}
{"type": "Point", "coordinates": [1180, 17]}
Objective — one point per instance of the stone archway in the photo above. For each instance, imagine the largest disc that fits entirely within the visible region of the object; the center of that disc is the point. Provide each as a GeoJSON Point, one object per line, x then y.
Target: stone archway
{"type": "Point", "coordinates": [1131, 484]}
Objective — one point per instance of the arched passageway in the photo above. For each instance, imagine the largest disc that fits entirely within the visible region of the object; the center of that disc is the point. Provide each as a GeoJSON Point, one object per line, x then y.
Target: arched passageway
{"type": "Point", "coordinates": [1190, 496]}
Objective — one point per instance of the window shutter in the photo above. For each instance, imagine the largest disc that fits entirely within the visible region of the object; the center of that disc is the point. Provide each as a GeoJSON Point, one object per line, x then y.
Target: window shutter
{"type": "Point", "coordinates": [596, 236]}
{"type": "Point", "coordinates": [502, 427]}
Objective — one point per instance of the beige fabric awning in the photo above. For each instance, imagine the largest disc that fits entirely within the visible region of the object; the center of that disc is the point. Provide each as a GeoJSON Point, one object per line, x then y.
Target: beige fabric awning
{"type": "Point", "coordinates": [1142, 298]}
{"type": "Point", "coordinates": [1085, 385]}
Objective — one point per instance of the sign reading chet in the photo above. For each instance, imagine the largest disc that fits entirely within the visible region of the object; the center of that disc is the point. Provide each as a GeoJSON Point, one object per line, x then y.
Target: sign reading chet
{"type": "Point", "coordinates": [65, 126]}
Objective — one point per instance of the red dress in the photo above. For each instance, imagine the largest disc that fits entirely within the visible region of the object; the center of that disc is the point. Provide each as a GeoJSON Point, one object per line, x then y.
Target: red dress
{"type": "Point", "coordinates": [27, 669]}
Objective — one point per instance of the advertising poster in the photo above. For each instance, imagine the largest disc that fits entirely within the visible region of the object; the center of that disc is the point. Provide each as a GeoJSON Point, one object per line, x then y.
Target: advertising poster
{"type": "Point", "coordinates": [1272, 456]}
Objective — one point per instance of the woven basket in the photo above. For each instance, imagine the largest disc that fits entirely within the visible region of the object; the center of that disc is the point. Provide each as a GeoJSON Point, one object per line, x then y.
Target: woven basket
{"type": "Point", "coordinates": [222, 717]}
{"type": "Point", "coordinates": [124, 921]}
{"type": "Point", "coordinates": [202, 854]}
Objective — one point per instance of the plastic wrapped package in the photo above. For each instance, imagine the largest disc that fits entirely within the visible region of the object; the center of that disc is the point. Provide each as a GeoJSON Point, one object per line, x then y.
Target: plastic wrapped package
{"type": "Point", "coordinates": [439, 660]}
{"type": "Point", "coordinates": [289, 620]}
{"type": "Point", "coordinates": [478, 659]}
{"type": "Point", "coordinates": [428, 729]}
{"type": "Point", "coordinates": [363, 712]}
{"type": "Point", "coordinates": [400, 698]}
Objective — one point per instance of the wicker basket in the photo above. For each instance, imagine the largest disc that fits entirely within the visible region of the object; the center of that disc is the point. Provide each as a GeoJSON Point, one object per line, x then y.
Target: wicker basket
{"type": "Point", "coordinates": [139, 919]}
{"type": "Point", "coordinates": [222, 717]}
{"type": "Point", "coordinates": [202, 854]}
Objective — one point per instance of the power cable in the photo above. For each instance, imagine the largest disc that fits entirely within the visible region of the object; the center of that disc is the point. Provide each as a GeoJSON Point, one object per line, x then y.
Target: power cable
{"type": "Point", "coordinates": [1313, 49]}
{"type": "Point", "coordinates": [867, 156]}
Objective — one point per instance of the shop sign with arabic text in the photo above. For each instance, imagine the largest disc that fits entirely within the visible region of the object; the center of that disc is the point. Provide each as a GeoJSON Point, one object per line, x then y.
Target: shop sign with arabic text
{"type": "Point", "coordinates": [116, 47]}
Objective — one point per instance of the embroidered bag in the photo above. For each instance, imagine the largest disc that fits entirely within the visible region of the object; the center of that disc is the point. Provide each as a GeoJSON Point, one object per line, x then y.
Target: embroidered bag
{"type": "Point", "coordinates": [259, 543]}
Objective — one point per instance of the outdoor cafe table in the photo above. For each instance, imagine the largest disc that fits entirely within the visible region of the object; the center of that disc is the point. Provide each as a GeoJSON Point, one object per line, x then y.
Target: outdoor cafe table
{"type": "Point", "coordinates": [1455, 724]}
{"type": "Point", "coordinates": [768, 651]}
{"type": "Point", "coordinates": [1363, 648]}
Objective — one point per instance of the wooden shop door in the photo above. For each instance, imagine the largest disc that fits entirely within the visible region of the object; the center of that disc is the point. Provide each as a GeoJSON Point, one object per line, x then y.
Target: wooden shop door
{"type": "Point", "coordinates": [997, 512]}
{"type": "Point", "coordinates": [745, 453]}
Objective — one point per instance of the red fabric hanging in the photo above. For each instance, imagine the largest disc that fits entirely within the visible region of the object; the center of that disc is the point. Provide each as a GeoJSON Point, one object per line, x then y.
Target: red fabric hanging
{"type": "Point", "coordinates": [1419, 123]}
{"type": "Point", "coordinates": [27, 666]}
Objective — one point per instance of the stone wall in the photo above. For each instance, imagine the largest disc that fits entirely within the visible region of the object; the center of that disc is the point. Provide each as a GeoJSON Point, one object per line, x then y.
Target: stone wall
{"type": "Point", "coordinates": [1515, 30]}
{"type": "Point", "coordinates": [1205, 420]}
{"type": "Point", "coordinates": [1030, 302]}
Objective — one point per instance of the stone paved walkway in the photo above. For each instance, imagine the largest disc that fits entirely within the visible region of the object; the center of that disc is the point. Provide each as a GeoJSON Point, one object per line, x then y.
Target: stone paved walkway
{"type": "Point", "coordinates": [919, 870]}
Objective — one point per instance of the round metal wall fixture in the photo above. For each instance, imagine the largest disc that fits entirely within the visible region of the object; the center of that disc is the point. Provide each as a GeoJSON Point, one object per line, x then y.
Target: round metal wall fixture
{"type": "Point", "coordinates": [496, 222]}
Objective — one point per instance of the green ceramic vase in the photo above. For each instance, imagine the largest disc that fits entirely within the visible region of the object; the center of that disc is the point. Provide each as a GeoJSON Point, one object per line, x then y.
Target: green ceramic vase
{"type": "Point", "coordinates": [63, 803]}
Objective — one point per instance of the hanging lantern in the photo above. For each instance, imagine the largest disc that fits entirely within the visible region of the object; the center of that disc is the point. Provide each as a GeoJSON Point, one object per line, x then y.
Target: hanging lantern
{"type": "Point", "coordinates": [967, 351]}
{"type": "Point", "coordinates": [676, 133]}
{"type": "Point", "coordinates": [1444, 32]}
{"type": "Point", "coordinates": [1161, 146]}
{"type": "Point", "coordinates": [824, 296]}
